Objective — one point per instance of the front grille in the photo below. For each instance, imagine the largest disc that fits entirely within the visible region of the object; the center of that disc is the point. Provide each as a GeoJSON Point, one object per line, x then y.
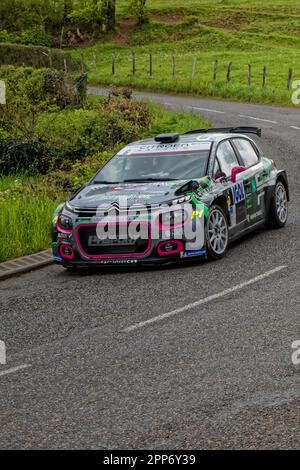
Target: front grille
{"type": "Point", "coordinates": [114, 209]}
{"type": "Point", "coordinates": [92, 246]}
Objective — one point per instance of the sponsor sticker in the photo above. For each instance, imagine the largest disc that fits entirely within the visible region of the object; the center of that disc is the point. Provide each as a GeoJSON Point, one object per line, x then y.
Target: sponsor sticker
{"type": "Point", "coordinates": [165, 148]}
{"type": "Point", "coordinates": [188, 253]}
{"type": "Point", "coordinates": [118, 261]}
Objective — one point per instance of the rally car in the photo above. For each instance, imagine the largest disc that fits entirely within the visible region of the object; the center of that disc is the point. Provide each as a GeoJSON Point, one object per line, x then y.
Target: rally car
{"type": "Point", "coordinates": [171, 198]}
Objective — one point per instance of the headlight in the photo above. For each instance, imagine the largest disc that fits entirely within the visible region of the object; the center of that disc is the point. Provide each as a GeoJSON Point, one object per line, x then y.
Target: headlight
{"type": "Point", "coordinates": [181, 200]}
{"type": "Point", "coordinates": [174, 218]}
{"type": "Point", "coordinates": [64, 222]}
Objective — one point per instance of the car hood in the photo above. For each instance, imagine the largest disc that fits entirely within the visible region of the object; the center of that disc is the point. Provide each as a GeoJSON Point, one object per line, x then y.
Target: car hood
{"type": "Point", "coordinates": [96, 195]}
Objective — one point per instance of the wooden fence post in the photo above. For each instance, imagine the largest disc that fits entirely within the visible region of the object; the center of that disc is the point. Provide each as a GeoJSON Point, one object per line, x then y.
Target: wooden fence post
{"type": "Point", "coordinates": [65, 65]}
{"type": "Point", "coordinates": [194, 68]}
{"type": "Point", "coordinates": [290, 75]}
{"type": "Point", "coordinates": [173, 66]}
{"type": "Point", "coordinates": [228, 71]}
{"type": "Point", "coordinates": [249, 74]}
{"type": "Point", "coordinates": [264, 76]}
{"type": "Point", "coordinates": [150, 65]}
{"type": "Point", "coordinates": [133, 63]}
{"type": "Point", "coordinates": [95, 63]}
{"type": "Point", "coordinates": [215, 70]}
{"type": "Point", "coordinates": [82, 62]}
{"type": "Point", "coordinates": [113, 64]}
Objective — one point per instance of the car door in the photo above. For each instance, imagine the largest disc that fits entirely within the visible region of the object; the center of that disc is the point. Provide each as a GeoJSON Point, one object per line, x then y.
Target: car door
{"type": "Point", "coordinates": [252, 178]}
{"type": "Point", "coordinates": [226, 160]}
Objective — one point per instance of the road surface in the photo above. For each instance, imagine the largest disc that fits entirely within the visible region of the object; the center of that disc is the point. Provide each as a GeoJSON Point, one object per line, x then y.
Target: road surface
{"type": "Point", "coordinates": [86, 369]}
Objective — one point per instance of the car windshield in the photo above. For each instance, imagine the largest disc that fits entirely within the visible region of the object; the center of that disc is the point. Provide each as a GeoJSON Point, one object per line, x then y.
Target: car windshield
{"type": "Point", "coordinates": [154, 167]}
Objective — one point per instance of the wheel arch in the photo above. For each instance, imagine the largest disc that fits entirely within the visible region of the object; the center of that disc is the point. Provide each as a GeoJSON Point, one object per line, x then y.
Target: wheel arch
{"type": "Point", "coordinates": [222, 202]}
{"type": "Point", "coordinates": [283, 179]}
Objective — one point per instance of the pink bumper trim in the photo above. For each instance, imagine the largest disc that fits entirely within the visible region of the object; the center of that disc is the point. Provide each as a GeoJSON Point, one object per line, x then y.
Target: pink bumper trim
{"type": "Point", "coordinates": [172, 252]}
{"type": "Point", "coordinates": [63, 255]}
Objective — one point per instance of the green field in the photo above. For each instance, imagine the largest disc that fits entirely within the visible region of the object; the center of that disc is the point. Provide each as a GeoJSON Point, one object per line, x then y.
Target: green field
{"type": "Point", "coordinates": [198, 33]}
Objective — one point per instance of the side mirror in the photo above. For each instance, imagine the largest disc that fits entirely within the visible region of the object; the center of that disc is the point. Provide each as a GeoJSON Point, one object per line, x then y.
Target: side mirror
{"type": "Point", "coordinates": [194, 185]}
{"type": "Point", "coordinates": [220, 176]}
{"type": "Point", "coordinates": [235, 171]}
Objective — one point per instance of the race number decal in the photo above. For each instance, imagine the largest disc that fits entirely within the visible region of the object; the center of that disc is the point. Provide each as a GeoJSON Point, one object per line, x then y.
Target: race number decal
{"type": "Point", "coordinates": [238, 192]}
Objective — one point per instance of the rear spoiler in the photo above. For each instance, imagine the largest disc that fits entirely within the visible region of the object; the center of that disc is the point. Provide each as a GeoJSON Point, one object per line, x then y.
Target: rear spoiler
{"type": "Point", "coordinates": [228, 130]}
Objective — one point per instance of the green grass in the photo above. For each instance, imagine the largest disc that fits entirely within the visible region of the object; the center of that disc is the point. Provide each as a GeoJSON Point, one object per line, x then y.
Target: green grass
{"type": "Point", "coordinates": [25, 216]}
{"type": "Point", "coordinates": [265, 33]}
{"type": "Point", "coordinates": [27, 203]}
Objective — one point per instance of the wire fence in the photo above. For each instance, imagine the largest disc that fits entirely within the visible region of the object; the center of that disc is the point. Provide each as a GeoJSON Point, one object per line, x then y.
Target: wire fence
{"type": "Point", "coordinates": [186, 67]}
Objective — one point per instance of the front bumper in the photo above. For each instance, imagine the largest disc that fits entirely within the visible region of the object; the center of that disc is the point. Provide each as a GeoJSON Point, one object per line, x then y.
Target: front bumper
{"type": "Point", "coordinates": [75, 247]}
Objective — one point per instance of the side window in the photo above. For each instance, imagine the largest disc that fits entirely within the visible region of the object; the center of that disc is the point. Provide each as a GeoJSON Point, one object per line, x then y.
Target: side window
{"type": "Point", "coordinates": [226, 157]}
{"type": "Point", "coordinates": [217, 173]}
{"type": "Point", "coordinates": [246, 151]}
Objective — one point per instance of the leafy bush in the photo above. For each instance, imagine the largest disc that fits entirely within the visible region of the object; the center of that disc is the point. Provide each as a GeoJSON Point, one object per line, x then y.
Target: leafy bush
{"type": "Point", "coordinates": [18, 155]}
{"type": "Point", "coordinates": [35, 36]}
{"type": "Point", "coordinates": [20, 15]}
{"type": "Point", "coordinates": [36, 56]}
{"type": "Point", "coordinates": [136, 112]}
{"type": "Point", "coordinates": [30, 91]}
{"type": "Point", "coordinates": [81, 132]}
{"type": "Point", "coordinates": [33, 140]}
{"type": "Point", "coordinates": [79, 172]}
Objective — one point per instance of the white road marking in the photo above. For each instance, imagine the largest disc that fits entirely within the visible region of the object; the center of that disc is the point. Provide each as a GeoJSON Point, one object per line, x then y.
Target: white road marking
{"type": "Point", "coordinates": [257, 119]}
{"type": "Point", "coordinates": [199, 109]}
{"type": "Point", "coordinates": [203, 301]}
{"type": "Point", "coordinates": [14, 369]}
{"type": "Point", "coordinates": [295, 127]}
{"type": "Point", "coordinates": [206, 109]}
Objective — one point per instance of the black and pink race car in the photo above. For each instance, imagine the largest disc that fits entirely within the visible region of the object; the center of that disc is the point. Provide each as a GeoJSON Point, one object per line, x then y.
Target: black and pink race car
{"type": "Point", "coordinates": [171, 198]}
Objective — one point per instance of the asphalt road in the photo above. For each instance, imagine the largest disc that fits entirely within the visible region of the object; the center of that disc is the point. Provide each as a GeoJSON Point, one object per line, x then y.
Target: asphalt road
{"type": "Point", "coordinates": [86, 370]}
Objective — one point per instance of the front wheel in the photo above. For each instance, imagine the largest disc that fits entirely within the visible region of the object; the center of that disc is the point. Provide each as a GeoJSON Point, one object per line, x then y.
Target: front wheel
{"type": "Point", "coordinates": [217, 237]}
{"type": "Point", "coordinates": [278, 212]}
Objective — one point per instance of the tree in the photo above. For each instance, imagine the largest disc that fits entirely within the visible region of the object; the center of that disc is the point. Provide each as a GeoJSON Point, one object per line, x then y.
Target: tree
{"type": "Point", "coordinates": [94, 15]}
{"type": "Point", "coordinates": [108, 15]}
{"type": "Point", "coordinates": [139, 10]}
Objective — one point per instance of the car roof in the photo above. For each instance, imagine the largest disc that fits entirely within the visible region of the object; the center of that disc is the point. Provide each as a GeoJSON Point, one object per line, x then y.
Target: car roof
{"type": "Point", "coordinates": [191, 138]}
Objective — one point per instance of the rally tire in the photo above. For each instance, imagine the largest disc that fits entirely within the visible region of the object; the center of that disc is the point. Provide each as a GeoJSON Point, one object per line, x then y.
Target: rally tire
{"type": "Point", "coordinates": [278, 211]}
{"type": "Point", "coordinates": [217, 234]}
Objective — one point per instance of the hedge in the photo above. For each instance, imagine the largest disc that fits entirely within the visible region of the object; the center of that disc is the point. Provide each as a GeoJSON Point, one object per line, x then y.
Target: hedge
{"type": "Point", "coordinates": [37, 56]}
{"type": "Point", "coordinates": [61, 88]}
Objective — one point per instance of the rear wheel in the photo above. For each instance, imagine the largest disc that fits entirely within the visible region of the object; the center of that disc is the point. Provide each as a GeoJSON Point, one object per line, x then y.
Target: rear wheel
{"type": "Point", "coordinates": [278, 212]}
{"type": "Point", "coordinates": [217, 238]}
